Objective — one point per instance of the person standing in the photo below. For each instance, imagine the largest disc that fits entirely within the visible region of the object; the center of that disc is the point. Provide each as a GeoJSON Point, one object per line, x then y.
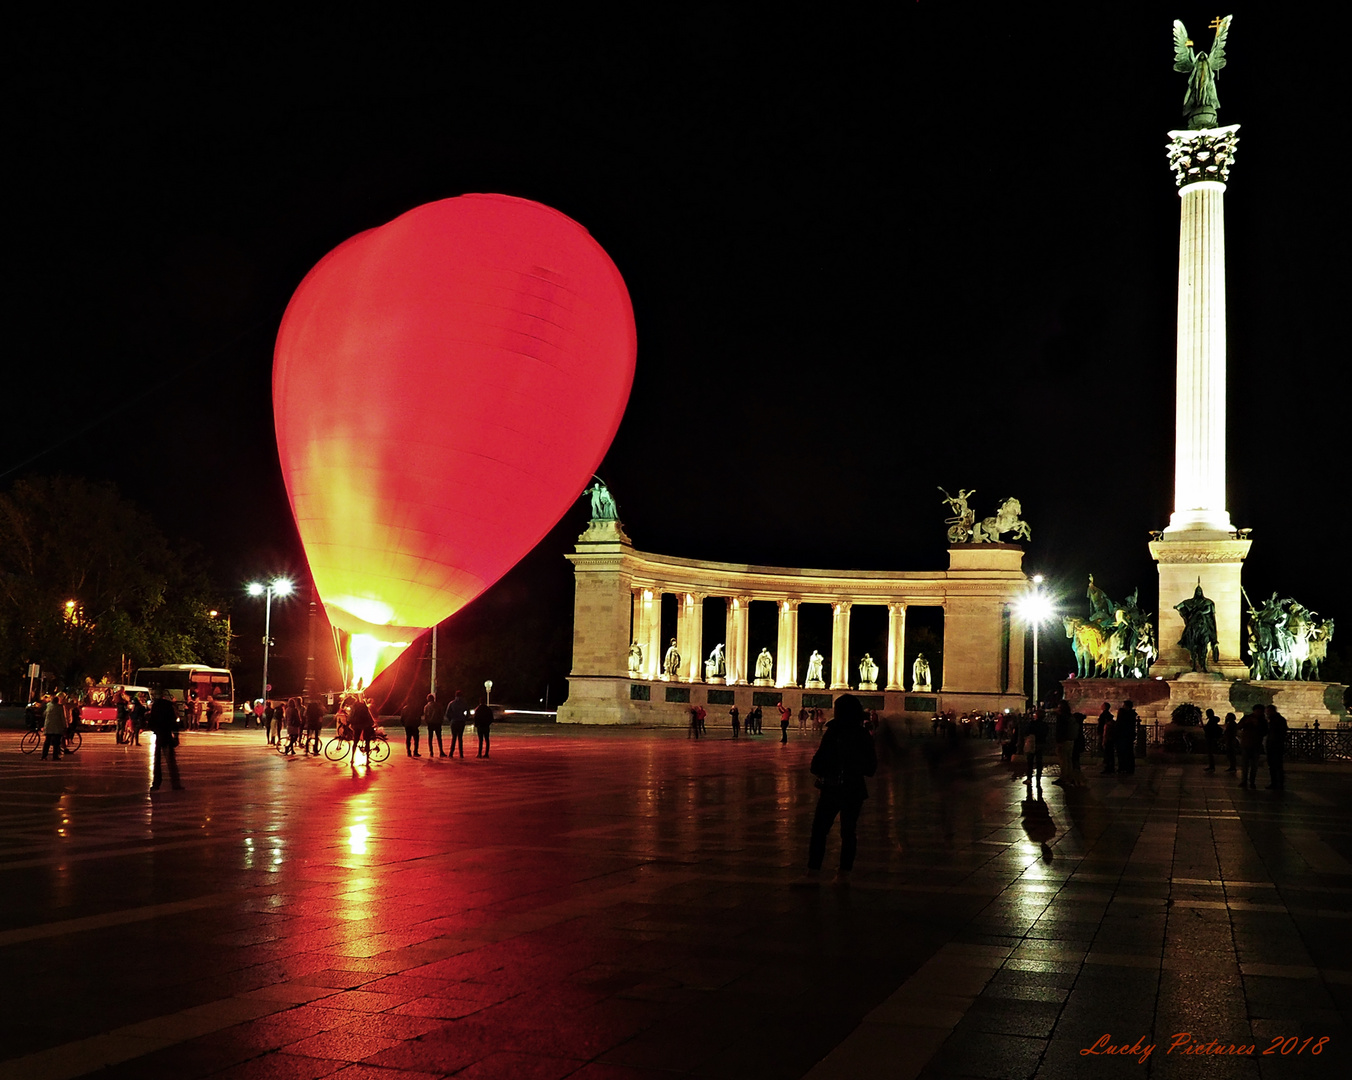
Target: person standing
{"type": "Point", "coordinates": [1250, 746]}
{"type": "Point", "coordinates": [1211, 731]}
{"type": "Point", "coordinates": [736, 722]}
{"type": "Point", "coordinates": [293, 724]}
{"type": "Point", "coordinates": [483, 723]}
{"type": "Point", "coordinates": [164, 726]}
{"type": "Point", "coordinates": [1034, 740]}
{"type": "Point", "coordinates": [314, 724]}
{"type": "Point", "coordinates": [1106, 740]}
{"type": "Point", "coordinates": [1276, 749]}
{"type": "Point", "coordinates": [54, 726]}
{"type": "Point", "coordinates": [694, 723]}
{"type": "Point", "coordinates": [455, 716]}
{"type": "Point", "coordinates": [362, 725]}
{"type": "Point", "coordinates": [1125, 730]}
{"type": "Point", "coordinates": [701, 715]}
{"type": "Point", "coordinates": [845, 757]}
{"type": "Point", "coordinates": [411, 717]}
{"type": "Point", "coordinates": [433, 713]}
{"type": "Point", "coordinates": [784, 713]}
{"type": "Point", "coordinates": [140, 717]}
{"type": "Point", "coordinates": [1231, 736]}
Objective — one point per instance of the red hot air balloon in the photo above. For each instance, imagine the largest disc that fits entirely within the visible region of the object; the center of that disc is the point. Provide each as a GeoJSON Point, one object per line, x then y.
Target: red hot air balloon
{"type": "Point", "coordinates": [444, 386]}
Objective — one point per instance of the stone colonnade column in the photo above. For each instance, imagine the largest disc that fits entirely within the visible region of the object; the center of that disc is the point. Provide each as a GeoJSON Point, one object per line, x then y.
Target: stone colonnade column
{"type": "Point", "coordinates": [737, 633]}
{"type": "Point", "coordinates": [840, 645]}
{"type": "Point", "coordinates": [786, 664]}
{"type": "Point", "coordinates": [692, 652]}
{"type": "Point", "coordinates": [896, 646]}
{"type": "Point", "coordinates": [652, 633]}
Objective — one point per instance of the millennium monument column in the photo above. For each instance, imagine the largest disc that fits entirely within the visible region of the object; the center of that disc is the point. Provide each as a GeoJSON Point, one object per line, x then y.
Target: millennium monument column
{"type": "Point", "coordinates": [1200, 547]}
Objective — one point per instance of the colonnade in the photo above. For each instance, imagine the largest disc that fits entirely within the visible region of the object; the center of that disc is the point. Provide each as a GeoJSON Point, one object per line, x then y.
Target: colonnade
{"type": "Point", "coordinates": [646, 624]}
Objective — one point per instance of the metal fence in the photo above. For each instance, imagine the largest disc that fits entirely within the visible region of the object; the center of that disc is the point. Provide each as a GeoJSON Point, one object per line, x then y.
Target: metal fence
{"type": "Point", "coordinates": [1302, 743]}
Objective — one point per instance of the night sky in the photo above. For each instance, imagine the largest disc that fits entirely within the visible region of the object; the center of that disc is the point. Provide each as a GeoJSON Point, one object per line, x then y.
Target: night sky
{"type": "Point", "coordinates": [867, 258]}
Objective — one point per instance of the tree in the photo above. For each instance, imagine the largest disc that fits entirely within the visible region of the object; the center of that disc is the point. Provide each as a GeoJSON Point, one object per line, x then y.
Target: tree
{"type": "Point", "coordinates": [90, 587]}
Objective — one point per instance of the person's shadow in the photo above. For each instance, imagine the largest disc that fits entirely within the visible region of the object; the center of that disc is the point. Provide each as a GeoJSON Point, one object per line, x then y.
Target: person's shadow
{"type": "Point", "coordinates": [1038, 824]}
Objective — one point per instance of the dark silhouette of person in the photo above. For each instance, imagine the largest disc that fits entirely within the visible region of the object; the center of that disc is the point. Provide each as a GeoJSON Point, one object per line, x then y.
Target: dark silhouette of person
{"type": "Point", "coordinates": [456, 716]}
{"type": "Point", "coordinates": [411, 717]}
{"type": "Point", "coordinates": [314, 724]}
{"type": "Point", "coordinates": [483, 723]}
{"type": "Point", "coordinates": [842, 761]}
{"type": "Point", "coordinates": [1231, 733]}
{"type": "Point", "coordinates": [164, 726]}
{"type": "Point", "coordinates": [1125, 731]}
{"type": "Point", "coordinates": [1252, 728]}
{"type": "Point", "coordinates": [433, 713]}
{"type": "Point", "coordinates": [1211, 731]}
{"type": "Point", "coordinates": [362, 723]}
{"type": "Point", "coordinates": [1276, 749]}
{"type": "Point", "coordinates": [1107, 740]}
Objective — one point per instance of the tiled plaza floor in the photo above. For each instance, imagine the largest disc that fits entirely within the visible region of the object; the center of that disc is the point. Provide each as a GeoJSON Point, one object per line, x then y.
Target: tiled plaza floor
{"type": "Point", "coordinates": [613, 905]}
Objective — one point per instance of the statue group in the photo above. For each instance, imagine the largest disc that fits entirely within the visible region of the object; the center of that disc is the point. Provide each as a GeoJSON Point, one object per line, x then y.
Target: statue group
{"type": "Point", "coordinates": [1117, 641]}
{"type": "Point", "coordinates": [1286, 641]}
{"type": "Point", "coordinates": [963, 528]}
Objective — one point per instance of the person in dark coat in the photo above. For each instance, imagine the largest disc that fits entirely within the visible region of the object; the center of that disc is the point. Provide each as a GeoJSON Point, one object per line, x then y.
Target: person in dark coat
{"type": "Point", "coordinates": [1231, 735]}
{"type": "Point", "coordinates": [1125, 730]}
{"type": "Point", "coordinates": [1107, 741]}
{"type": "Point", "coordinates": [411, 717]}
{"type": "Point", "coordinates": [164, 725]}
{"type": "Point", "coordinates": [1034, 743]}
{"type": "Point", "coordinates": [1252, 728]}
{"type": "Point", "coordinates": [1211, 731]}
{"type": "Point", "coordinates": [362, 724]}
{"type": "Point", "coordinates": [314, 724]}
{"type": "Point", "coordinates": [844, 758]}
{"type": "Point", "coordinates": [1276, 748]}
{"type": "Point", "coordinates": [483, 722]}
{"type": "Point", "coordinates": [455, 716]}
{"type": "Point", "coordinates": [433, 713]}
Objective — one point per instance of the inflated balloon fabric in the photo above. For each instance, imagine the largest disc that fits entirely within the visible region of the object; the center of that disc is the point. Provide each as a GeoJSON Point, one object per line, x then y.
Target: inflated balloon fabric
{"type": "Point", "coordinates": [443, 387]}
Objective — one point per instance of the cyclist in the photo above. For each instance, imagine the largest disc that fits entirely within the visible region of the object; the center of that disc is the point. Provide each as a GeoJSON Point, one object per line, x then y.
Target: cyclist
{"type": "Point", "coordinates": [362, 723]}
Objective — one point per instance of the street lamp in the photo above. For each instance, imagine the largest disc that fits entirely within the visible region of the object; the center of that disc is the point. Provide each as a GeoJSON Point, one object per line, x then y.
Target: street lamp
{"type": "Point", "coordinates": [276, 587]}
{"type": "Point", "coordinates": [214, 614]}
{"type": "Point", "coordinates": [1034, 608]}
{"type": "Point", "coordinates": [488, 691]}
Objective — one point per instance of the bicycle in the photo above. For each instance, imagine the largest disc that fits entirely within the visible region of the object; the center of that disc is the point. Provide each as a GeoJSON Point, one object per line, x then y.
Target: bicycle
{"type": "Point", "coordinates": [338, 748]}
{"type": "Point", "coordinates": [33, 739]}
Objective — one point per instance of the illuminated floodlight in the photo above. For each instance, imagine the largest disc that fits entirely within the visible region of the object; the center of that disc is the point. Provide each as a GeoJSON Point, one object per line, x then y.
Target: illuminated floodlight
{"type": "Point", "coordinates": [255, 589]}
{"type": "Point", "coordinates": [282, 587]}
{"type": "Point", "coordinates": [1034, 608]}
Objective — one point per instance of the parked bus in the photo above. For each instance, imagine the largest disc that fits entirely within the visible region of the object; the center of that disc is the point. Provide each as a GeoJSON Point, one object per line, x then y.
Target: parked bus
{"type": "Point", "coordinates": [204, 696]}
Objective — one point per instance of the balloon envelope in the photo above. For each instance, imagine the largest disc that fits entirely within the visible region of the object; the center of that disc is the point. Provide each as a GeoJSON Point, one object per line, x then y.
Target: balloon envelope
{"type": "Point", "coordinates": [443, 388]}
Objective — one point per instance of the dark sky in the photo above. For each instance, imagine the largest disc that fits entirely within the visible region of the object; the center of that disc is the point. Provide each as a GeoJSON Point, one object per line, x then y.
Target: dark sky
{"type": "Point", "coordinates": [867, 258]}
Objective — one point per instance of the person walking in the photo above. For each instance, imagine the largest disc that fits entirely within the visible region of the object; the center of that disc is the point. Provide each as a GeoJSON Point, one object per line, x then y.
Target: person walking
{"type": "Point", "coordinates": [1276, 749]}
{"type": "Point", "coordinates": [433, 713]}
{"type": "Point", "coordinates": [54, 726]}
{"type": "Point", "coordinates": [164, 726]}
{"type": "Point", "coordinates": [1231, 735]}
{"type": "Point", "coordinates": [483, 723]}
{"type": "Point", "coordinates": [411, 717]}
{"type": "Point", "coordinates": [845, 757]}
{"type": "Point", "coordinates": [455, 716]}
{"type": "Point", "coordinates": [1124, 728]}
{"type": "Point", "coordinates": [1211, 731]}
{"type": "Point", "coordinates": [1250, 746]}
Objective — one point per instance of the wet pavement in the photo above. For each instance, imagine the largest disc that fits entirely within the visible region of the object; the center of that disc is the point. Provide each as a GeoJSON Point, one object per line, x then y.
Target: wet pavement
{"type": "Point", "coordinates": [630, 905]}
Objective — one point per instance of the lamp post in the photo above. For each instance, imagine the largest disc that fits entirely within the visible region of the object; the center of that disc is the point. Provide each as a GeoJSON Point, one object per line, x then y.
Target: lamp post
{"type": "Point", "coordinates": [276, 587]}
{"type": "Point", "coordinates": [1034, 608]}
{"type": "Point", "coordinates": [488, 691]}
{"type": "Point", "coordinates": [229, 635]}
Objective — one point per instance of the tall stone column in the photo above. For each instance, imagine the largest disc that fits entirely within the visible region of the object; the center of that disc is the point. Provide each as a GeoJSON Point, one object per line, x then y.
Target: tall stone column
{"type": "Point", "coordinates": [840, 644]}
{"type": "Point", "coordinates": [896, 646]}
{"type": "Point", "coordinates": [692, 651]}
{"type": "Point", "coordinates": [737, 632]}
{"type": "Point", "coordinates": [653, 647]}
{"type": "Point", "coordinates": [1200, 547]}
{"type": "Point", "coordinates": [786, 664]}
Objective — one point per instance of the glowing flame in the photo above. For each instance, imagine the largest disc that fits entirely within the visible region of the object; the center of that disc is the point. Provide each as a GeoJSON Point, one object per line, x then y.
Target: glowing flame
{"type": "Point", "coordinates": [357, 839]}
{"type": "Point", "coordinates": [363, 656]}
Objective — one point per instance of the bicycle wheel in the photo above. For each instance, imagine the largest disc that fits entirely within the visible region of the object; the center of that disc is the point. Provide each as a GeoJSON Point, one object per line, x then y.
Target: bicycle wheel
{"type": "Point", "coordinates": [336, 749]}
{"type": "Point", "coordinates": [72, 742]}
{"type": "Point", "coordinates": [380, 750]}
{"type": "Point", "coordinates": [31, 741]}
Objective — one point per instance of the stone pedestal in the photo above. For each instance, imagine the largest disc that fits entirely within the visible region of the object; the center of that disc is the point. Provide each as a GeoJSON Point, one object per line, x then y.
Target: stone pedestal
{"type": "Point", "coordinates": [763, 682]}
{"type": "Point", "coordinates": [1215, 560]}
{"type": "Point", "coordinates": [815, 684]}
{"type": "Point", "coordinates": [868, 686]}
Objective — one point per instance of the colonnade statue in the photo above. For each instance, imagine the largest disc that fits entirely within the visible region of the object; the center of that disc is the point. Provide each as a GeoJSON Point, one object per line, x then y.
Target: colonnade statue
{"type": "Point", "coordinates": [868, 672]}
{"type": "Point", "coordinates": [671, 662]}
{"type": "Point", "coordinates": [1199, 628]}
{"type": "Point", "coordinates": [814, 668]}
{"type": "Point", "coordinates": [716, 665]}
{"type": "Point", "coordinates": [920, 673]}
{"type": "Point", "coordinates": [765, 665]}
{"type": "Point", "coordinates": [635, 658]}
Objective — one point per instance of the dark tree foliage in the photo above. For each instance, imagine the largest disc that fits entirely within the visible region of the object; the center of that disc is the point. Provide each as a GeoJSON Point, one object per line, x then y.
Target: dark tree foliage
{"type": "Point", "coordinates": [90, 587]}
